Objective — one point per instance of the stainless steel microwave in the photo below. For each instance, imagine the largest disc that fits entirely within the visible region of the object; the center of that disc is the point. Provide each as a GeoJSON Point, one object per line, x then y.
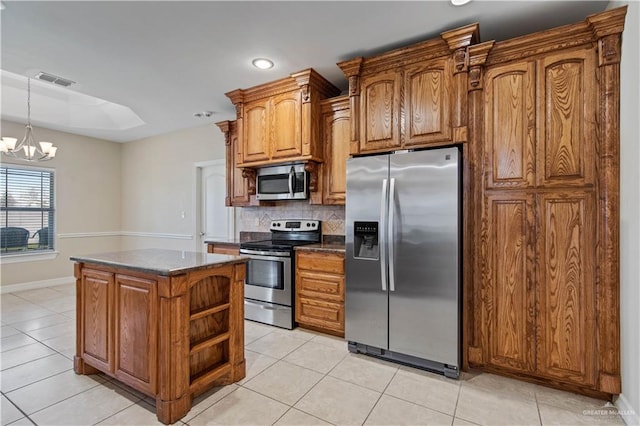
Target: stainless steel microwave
{"type": "Point", "coordinates": [288, 182]}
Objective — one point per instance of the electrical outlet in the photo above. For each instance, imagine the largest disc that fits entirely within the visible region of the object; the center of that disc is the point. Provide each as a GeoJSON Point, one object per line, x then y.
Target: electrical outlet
{"type": "Point", "coordinates": [182, 214]}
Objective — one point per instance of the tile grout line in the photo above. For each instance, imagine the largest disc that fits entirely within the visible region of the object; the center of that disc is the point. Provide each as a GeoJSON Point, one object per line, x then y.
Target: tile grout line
{"type": "Point", "coordinates": [380, 397]}
{"type": "Point", "coordinates": [455, 410]}
{"type": "Point", "coordinates": [18, 408]}
{"type": "Point", "coordinates": [535, 396]}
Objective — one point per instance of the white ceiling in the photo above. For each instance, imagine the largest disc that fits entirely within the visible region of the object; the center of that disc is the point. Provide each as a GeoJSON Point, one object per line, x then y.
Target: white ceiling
{"type": "Point", "coordinates": [169, 59]}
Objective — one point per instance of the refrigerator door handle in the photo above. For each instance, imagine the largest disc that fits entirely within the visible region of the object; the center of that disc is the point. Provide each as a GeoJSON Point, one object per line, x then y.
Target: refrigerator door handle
{"type": "Point", "coordinates": [383, 242]}
{"type": "Point", "coordinates": [390, 238]}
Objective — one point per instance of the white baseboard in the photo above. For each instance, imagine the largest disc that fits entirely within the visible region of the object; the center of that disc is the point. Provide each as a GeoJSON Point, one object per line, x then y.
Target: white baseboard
{"type": "Point", "coordinates": [33, 285]}
{"type": "Point", "coordinates": [626, 411]}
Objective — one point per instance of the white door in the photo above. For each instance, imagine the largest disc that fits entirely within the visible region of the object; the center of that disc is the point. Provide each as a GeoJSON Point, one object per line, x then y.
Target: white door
{"type": "Point", "coordinates": [215, 220]}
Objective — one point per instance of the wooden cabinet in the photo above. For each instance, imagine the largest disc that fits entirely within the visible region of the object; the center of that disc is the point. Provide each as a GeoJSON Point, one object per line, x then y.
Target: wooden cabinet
{"type": "Point", "coordinates": [285, 125]}
{"type": "Point", "coordinates": [320, 291]}
{"type": "Point", "coordinates": [508, 281]}
{"type": "Point", "coordinates": [428, 102]}
{"type": "Point", "coordinates": [135, 332]}
{"type": "Point", "coordinates": [97, 317]}
{"type": "Point", "coordinates": [232, 249]}
{"type": "Point", "coordinates": [169, 336]}
{"type": "Point", "coordinates": [256, 145]}
{"type": "Point", "coordinates": [272, 128]}
{"type": "Point", "coordinates": [277, 121]}
{"type": "Point", "coordinates": [566, 287]}
{"type": "Point", "coordinates": [119, 318]}
{"type": "Point", "coordinates": [240, 184]}
{"type": "Point", "coordinates": [335, 138]}
{"type": "Point", "coordinates": [510, 120]}
{"type": "Point", "coordinates": [548, 310]}
{"type": "Point", "coordinates": [410, 97]}
{"type": "Point", "coordinates": [380, 111]}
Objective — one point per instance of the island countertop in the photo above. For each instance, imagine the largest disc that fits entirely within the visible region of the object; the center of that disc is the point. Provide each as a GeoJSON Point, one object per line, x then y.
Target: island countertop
{"type": "Point", "coordinates": [160, 261]}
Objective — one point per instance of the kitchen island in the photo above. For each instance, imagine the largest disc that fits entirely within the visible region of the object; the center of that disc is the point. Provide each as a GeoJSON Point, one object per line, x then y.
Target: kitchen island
{"type": "Point", "coordinates": [167, 323]}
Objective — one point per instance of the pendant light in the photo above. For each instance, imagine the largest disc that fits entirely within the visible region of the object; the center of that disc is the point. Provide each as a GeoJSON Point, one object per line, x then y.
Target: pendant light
{"type": "Point", "coordinates": [27, 149]}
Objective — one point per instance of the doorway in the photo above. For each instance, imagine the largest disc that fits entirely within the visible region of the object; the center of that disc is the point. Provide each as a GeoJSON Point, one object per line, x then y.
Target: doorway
{"type": "Point", "coordinates": [214, 220]}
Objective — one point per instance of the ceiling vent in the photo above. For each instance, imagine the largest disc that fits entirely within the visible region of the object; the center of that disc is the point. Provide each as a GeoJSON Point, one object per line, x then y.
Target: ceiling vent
{"type": "Point", "coordinates": [54, 79]}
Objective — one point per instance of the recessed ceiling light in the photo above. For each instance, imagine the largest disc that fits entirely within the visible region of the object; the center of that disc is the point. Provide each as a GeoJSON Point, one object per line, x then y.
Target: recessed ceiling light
{"type": "Point", "coordinates": [262, 63]}
{"type": "Point", "coordinates": [459, 2]}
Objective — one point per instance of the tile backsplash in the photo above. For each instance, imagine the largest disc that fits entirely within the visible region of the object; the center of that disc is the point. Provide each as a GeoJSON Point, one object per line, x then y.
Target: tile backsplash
{"type": "Point", "coordinates": [258, 219]}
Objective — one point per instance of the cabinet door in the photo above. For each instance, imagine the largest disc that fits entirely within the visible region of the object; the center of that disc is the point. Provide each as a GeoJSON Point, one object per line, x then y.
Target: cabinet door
{"type": "Point", "coordinates": [428, 103]}
{"type": "Point", "coordinates": [565, 287]}
{"type": "Point", "coordinates": [239, 185]}
{"type": "Point", "coordinates": [508, 280]}
{"type": "Point", "coordinates": [255, 145]}
{"type": "Point", "coordinates": [380, 112]}
{"type": "Point", "coordinates": [320, 313]}
{"type": "Point", "coordinates": [136, 324]}
{"type": "Point", "coordinates": [566, 119]}
{"type": "Point", "coordinates": [97, 305]}
{"type": "Point", "coordinates": [510, 126]}
{"type": "Point", "coordinates": [285, 125]}
{"type": "Point", "coordinates": [336, 139]}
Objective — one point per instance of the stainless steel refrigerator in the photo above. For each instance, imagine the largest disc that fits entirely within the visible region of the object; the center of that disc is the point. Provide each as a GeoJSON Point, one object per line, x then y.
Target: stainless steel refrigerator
{"type": "Point", "coordinates": [403, 258]}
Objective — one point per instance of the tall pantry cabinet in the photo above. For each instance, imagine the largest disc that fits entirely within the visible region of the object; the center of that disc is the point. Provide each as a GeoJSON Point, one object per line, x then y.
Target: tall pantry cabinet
{"type": "Point", "coordinates": [545, 297]}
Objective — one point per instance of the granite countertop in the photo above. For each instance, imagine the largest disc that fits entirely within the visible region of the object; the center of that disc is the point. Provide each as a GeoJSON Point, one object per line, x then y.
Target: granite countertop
{"type": "Point", "coordinates": [227, 241]}
{"type": "Point", "coordinates": [159, 261]}
{"type": "Point", "coordinates": [323, 247]}
{"type": "Point", "coordinates": [242, 238]}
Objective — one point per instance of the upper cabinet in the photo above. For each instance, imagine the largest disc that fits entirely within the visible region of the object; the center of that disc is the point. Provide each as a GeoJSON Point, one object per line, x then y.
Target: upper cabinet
{"type": "Point", "coordinates": [277, 121]}
{"type": "Point", "coordinates": [540, 119]}
{"type": "Point", "coordinates": [240, 183]}
{"type": "Point", "coordinates": [428, 102]}
{"type": "Point", "coordinates": [335, 138]}
{"type": "Point", "coordinates": [410, 97]}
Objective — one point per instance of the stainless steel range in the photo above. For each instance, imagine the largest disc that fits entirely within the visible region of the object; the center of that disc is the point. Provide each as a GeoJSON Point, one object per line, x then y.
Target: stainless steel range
{"type": "Point", "coordinates": [270, 280]}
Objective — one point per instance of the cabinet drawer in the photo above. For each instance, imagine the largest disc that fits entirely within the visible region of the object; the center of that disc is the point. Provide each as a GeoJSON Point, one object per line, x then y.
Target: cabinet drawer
{"type": "Point", "coordinates": [320, 285]}
{"type": "Point", "coordinates": [318, 313]}
{"type": "Point", "coordinates": [217, 248]}
{"type": "Point", "coordinates": [325, 262]}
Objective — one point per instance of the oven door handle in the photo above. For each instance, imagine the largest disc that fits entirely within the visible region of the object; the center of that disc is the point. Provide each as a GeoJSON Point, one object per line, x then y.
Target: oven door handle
{"type": "Point", "coordinates": [266, 255]}
{"type": "Point", "coordinates": [266, 307]}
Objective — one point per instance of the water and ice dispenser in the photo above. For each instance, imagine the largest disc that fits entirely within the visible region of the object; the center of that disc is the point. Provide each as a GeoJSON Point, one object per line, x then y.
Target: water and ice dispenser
{"type": "Point", "coordinates": [365, 239]}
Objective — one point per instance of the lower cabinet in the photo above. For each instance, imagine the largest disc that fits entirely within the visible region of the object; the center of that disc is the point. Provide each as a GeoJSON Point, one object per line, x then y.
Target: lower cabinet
{"type": "Point", "coordinates": [320, 291]}
{"type": "Point", "coordinates": [97, 303]}
{"type": "Point", "coordinates": [171, 337]}
{"type": "Point", "coordinates": [223, 248]}
{"type": "Point", "coordinates": [136, 336]}
{"type": "Point", "coordinates": [125, 308]}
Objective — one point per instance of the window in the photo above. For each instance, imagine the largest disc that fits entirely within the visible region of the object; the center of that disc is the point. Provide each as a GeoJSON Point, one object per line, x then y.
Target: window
{"type": "Point", "coordinates": [27, 210]}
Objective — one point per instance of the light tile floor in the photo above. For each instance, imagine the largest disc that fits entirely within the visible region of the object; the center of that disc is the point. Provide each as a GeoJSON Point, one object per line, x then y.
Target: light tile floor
{"type": "Point", "coordinates": [293, 378]}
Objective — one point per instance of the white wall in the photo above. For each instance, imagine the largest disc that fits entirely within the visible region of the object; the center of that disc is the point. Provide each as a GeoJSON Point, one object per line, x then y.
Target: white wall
{"type": "Point", "coordinates": [158, 181]}
{"type": "Point", "coordinates": [87, 174]}
{"type": "Point", "coordinates": [630, 212]}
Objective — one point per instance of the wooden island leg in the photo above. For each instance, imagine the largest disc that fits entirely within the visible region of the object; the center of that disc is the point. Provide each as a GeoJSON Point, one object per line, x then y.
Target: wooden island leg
{"type": "Point", "coordinates": [238, 366]}
{"type": "Point", "coordinates": [173, 400]}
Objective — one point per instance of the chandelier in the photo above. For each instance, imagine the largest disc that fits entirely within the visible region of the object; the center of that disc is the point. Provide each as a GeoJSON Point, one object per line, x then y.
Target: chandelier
{"type": "Point", "coordinates": [27, 149]}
